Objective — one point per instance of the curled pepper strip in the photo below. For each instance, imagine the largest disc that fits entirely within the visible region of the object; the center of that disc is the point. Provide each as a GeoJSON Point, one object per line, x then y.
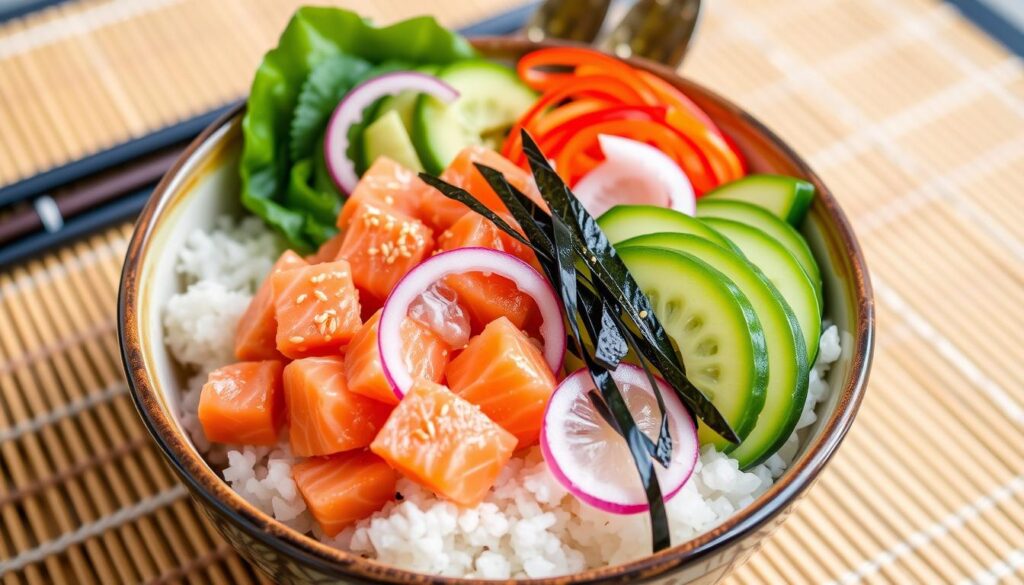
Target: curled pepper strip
{"type": "Point", "coordinates": [584, 89]}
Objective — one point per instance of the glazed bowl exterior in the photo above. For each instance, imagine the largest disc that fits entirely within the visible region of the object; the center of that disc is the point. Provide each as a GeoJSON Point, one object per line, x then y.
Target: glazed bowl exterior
{"type": "Point", "coordinates": [204, 184]}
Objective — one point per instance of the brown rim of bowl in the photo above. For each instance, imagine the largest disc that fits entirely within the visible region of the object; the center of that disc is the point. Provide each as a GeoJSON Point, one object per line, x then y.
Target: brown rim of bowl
{"type": "Point", "coordinates": [333, 561]}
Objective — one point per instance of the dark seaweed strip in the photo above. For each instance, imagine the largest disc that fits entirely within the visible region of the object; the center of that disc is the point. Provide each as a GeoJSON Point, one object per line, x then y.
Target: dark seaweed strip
{"type": "Point", "coordinates": [462, 196]}
{"type": "Point", "coordinates": [541, 217]}
{"type": "Point", "coordinates": [608, 268]}
{"type": "Point", "coordinates": [546, 247]}
{"type": "Point", "coordinates": [610, 345]}
{"type": "Point", "coordinates": [604, 412]}
{"type": "Point", "coordinates": [540, 236]}
{"type": "Point", "coordinates": [602, 326]}
{"type": "Point", "coordinates": [663, 450]}
{"type": "Point", "coordinates": [565, 257]}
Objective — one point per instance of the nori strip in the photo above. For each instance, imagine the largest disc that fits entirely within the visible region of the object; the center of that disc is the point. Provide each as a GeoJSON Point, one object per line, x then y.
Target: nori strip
{"type": "Point", "coordinates": [566, 260]}
{"type": "Point", "coordinates": [608, 268]}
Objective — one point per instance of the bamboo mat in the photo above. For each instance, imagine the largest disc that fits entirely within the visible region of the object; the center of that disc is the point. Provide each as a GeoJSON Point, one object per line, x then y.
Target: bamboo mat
{"type": "Point", "coordinates": [914, 117]}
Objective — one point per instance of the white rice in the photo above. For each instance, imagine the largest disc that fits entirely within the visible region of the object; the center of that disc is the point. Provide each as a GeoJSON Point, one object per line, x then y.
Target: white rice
{"type": "Point", "coordinates": [528, 526]}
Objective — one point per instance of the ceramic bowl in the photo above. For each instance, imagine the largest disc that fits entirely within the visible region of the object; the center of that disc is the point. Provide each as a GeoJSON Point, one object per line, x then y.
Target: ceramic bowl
{"type": "Point", "coordinates": [204, 185]}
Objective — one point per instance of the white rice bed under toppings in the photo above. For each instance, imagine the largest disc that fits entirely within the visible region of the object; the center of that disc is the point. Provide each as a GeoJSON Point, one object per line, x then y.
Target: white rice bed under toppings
{"type": "Point", "coordinates": [528, 526]}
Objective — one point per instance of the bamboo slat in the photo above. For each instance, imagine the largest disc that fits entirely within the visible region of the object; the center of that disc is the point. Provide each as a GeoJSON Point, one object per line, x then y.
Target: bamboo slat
{"type": "Point", "coordinates": [913, 116]}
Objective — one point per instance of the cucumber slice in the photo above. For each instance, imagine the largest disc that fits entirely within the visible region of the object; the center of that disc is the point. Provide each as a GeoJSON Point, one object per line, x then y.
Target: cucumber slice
{"type": "Point", "coordinates": [387, 136]}
{"type": "Point", "coordinates": [787, 354]}
{"type": "Point", "coordinates": [491, 98]}
{"type": "Point", "coordinates": [716, 329]}
{"type": "Point", "coordinates": [786, 197]}
{"type": "Point", "coordinates": [628, 221]}
{"type": "Point", "coordinates": [782, 269]}
{"type": "Point", "coordinates": [763, 220]}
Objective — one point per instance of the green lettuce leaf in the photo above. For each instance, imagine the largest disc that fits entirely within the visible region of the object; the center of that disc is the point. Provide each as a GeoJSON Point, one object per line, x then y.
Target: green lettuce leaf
{"type": "Point", "coordinates": [278, 136]}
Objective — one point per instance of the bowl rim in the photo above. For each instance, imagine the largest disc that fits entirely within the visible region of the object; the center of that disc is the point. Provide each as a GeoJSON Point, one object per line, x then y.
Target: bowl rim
{"type": "Point", "coordinates": [203, 482]}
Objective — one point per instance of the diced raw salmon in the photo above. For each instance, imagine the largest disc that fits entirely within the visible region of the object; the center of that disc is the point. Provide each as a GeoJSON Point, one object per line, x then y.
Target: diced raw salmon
{"type": "Point", "coordinates": [386, 184]}
{"type": "Point", "coordinates": [444, 443]}
{"type": "Point", "coordinates": [324, 417]}
{"type": "Point", "coordinates": [473, 229]}
{"type": "Point", "coordinates": [382, 245]}
{"type": "Point", "coordinates": [316, 307]}
{"type": "Point", "coordinates": [327, 251]}
{"type": "Point", "coordinates": [344, 488]}
{"type": "Point", "coordinates": [243, 403]}
{"type": "Point", "coordinates": [503, 357]}
{"type": "Point", "coordinates": [489, 297]}
{"type": "Point", "coordinates": [425, 356]}
{"type": "Point", "coordinates": [441, 212]}
{"type": "Point", "coordinates": [256, 331]}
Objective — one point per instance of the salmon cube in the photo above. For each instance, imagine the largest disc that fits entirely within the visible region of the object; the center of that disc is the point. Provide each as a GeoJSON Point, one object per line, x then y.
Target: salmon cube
{"type": "Point", "coordinates": [317, 309]}
{"type": "Point", "coordinates": [382, 245]}
{"type": "Point", "coordinates": [503, 357]}
{"type": "Point", "coordinates": [386, 184]}
{"type": "Point", "coordinates": [255, 337]}
{"type": "Point", "coordinates": [243, 403]}
{"type": "Point", "coordinates": [488, 297]}
{"type": "Point", "coordinates": [444, 443]}
{"type": "Point", "coordinates": [473, 229]}
{"type": "Point", "coordinates": [440, 212]}
{"type": "Point", "coordinates": [342, 489]}
{"type": "Point", "coordinates": [324, 416]}
{"type": "Point", "coordinates": [327, 251]}
{"type": "Point", "coordinates": [425, 357]}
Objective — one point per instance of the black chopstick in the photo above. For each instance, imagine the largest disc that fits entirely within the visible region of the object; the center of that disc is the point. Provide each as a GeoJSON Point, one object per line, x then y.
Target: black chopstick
{"type": "Point", "coordinates": [42, 191]}
{"type": "Point", "coordinates": [42, 183]}
{"type": "Point", "coordinates": [121, 209]}
{"type": "Point", "coordinates": [18, 8]}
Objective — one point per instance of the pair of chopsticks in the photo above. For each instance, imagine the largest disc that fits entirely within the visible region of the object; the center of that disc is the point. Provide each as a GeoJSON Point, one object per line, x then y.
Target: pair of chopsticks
{"type": "Point", "coordinates": [67, 202]}
{"type": "Point", "coordinates": [81, 197]}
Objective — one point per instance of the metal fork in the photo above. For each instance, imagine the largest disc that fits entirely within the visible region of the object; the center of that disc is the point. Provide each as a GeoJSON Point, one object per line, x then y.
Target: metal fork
{"type": "Point", "coordinates": [660, 30]}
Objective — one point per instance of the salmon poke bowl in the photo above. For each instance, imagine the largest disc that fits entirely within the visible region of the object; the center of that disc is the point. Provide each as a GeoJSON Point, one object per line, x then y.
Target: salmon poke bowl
{"type": "Point", "coordinates": [432, 310]}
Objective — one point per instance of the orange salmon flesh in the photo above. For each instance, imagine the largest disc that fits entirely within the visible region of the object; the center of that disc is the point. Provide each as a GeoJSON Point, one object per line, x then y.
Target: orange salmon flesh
{"type": "Point", "coordinates": [425, 356]}
{"type": "Point", "coordinates": [243, 403]}
{"type": "Point", "coordinates": [444, 443]}
{"type": "Point", "coordinates": [324, 416]}
{"type": "Point", "coordinates": [503, 357]}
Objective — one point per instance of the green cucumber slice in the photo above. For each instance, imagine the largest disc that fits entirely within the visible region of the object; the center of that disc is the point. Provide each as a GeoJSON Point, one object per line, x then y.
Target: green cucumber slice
{"type": "Point", "coordinates": [716, 329]}
{"type": "Point", "coordinates": [623, 222]}
{"type": "Point", "coordinates": [783, 270]}
{"type": "Point", "coordinates": [491, 98]}
{"type": "Point", "coordinates": [388, 137]}
{"type": "Point", "coordinates": [787, 197]}
{"type": "Point", "coordinates": [763, 220]}
{"type": "Point", "coordinates": [788, 365]}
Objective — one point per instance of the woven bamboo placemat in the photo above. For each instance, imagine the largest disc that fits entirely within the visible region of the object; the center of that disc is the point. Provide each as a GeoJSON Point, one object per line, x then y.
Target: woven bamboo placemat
{"type": "Point", "coordinates": [914, 117]}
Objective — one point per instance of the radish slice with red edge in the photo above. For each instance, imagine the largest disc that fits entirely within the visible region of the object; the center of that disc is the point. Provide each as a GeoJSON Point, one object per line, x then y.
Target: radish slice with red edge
{"type": "Point", "coordinates": [472, 259]}
{"type": "Point", "coordinates": [589, 458]}
{"type": "Point", "coordinates": [633, 173]}
{"type": "Point", "coordinates": [350, 111]}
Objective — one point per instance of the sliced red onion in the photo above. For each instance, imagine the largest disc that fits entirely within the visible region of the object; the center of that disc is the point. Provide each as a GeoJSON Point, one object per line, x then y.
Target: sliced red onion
{"type": "Point", "coordinates": [634, 173]}
{"type": "Point", "coordinates": [350, 110]}
{"type": "Point", "coordinates": [423, 276]}
{"type": "Point", "coordinates": [593, 462]}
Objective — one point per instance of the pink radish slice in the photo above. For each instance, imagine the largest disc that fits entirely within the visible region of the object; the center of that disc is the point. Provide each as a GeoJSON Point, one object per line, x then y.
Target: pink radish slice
{"type": "Point", "coordinates": [593, 462]}
{"type": "Point", "coordinates": [634, 173]}
{"type": "Point", "coordinates": [423, 276]}
{"type": "Point", "coordinates": [350, 110]}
